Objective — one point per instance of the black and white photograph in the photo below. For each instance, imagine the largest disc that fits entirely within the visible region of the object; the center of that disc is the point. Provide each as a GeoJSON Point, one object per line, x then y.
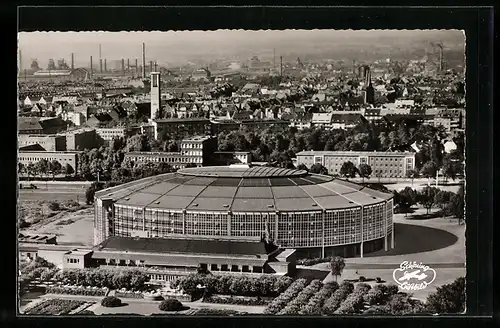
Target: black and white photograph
{"type": "Point", "coordinates": [237, 172]}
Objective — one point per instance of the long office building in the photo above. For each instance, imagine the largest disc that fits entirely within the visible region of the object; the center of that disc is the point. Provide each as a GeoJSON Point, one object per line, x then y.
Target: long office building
{"type": "Point", "coordinates": [383, 164]}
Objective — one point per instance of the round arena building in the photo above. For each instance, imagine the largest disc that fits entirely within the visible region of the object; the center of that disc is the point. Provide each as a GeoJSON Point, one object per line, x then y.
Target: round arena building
{"type": "Point", "coordinates": [317, 215]}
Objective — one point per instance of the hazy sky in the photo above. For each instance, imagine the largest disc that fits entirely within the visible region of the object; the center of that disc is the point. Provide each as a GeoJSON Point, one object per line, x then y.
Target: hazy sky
{"type": "Point", "coordinates": [174, 46]}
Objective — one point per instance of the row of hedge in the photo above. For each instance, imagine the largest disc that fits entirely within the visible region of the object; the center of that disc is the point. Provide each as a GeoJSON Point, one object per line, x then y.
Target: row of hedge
{"type": "Point", "coordinates": [283, 299]}
{"type": "Point", "coordinates": [233, 285]}
{"type": "Point", "coordinates": [302, 298]}
{"type": "Point", "coordinates": [235, 300]}
{"type": "Point", "coordinates": [112, 279]}
{"type": "Point", "coordinates": [55, 307]}
{"type": "Point", "coordinates": [334, 302]}
{"type": "Point", "coordinates": [75, 291]}
{"type": "Point", "coordinates": [354, 302]}
{"type": "Point", "coordinates": [313, 307]}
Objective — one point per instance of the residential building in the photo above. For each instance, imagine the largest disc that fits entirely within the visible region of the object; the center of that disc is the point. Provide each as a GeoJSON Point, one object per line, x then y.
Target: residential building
{"type": "Point", "coordinates": [40, 125]}
{"type": "Point", "coordinates": [383, 164]}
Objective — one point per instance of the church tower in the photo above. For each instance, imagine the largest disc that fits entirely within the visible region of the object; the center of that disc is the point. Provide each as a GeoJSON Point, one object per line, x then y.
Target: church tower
{"type": "Point", "coordinates": [155, 95]}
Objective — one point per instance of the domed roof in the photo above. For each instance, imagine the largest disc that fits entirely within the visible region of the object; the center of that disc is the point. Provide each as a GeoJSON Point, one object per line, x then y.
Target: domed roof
{"type": "Point", "coordinates": [242, 189]}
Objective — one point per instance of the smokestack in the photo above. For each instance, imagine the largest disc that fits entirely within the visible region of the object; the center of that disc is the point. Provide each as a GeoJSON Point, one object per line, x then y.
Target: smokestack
{"type": "Point", "coordinates": [274, 58]}
{"type": "Point", "coordinates": [72, 61]}
{"type": "Point", "coordinates": [150, 66]}
{"type": "Point", "coordinates": [143, 60]}
{"type": "Point", "coordinates": [100, 66]}
{"type": "Point", "coordinates": [281, 66]}
{"type": "Point", "coordinates": [105, 67]}
{"type": "Point", "coordinates": [136, 68]}
{"type": "Point", "coordinates": [91, 67]}
{"type": "Point", "coordinates": [100, 52]}
{"type": "Point", "coordinates": [123, 66]}
{"type": "Point", "coordinates": [128, 64]}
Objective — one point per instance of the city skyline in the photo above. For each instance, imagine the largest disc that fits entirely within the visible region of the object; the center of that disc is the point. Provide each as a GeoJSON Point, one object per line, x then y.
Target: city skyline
{"type": "Point", "coordinates": [181, 47]}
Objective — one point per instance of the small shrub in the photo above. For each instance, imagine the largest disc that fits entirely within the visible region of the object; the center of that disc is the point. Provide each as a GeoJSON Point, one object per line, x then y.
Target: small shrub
{"type": "Point", "coordinates": [111, 301]}
{"type": "Point", "coordinates": [54, 206]}
{"type": "Point", "coordinates": [170, 304]}
{"type": "Point", "coordinates": [362, 279]}
{"type": "Point", "coordinates": [378, 280]}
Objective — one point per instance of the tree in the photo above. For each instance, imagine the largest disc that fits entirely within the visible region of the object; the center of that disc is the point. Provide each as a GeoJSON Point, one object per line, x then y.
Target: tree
{"type": "Point", "coordinates": [429, 170]}
{"type": "Point", "coordinates": [426, 197]}
{"type": "Point", "coordinates": [68, 170]}
{"type": "Point", "coordinates": [348, 170]}
{"type": "Point", "coordinates": [456, 205]}
{"type": "Point", "coordinates": [452, 168]}
{"type": "Point", "coordinates": [31, 170]}
{"type": "Point", "coordinates": [42, 166]}
{"type": "Point", "coordinates": [20, 168]}
{"type": "Point", "coordinates": [406, 199]}
{"type": "Point", "coordinates": [318, 169]}
{"type": "Point", "coordinates": [412, 174]}
{"type": "Point", "coordinates": [302, 166]}
{"type": "Point", "coordinates": [111, 301]}
{"type": "Point", "coordinates": [55, 168]}
{"type": "Point", "coordinates": [442, 199]}
{"type": "Point", "coordinates": [365, 171]}
{"type": "Point", "coordinates": [91, 190]}
{"type": "Point", "coordinates": [449, 298]}
{"type": "Point", "coordinates": [337, 265]}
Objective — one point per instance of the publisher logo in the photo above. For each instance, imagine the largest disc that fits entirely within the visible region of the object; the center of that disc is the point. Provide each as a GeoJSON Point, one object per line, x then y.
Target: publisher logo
{"type": "Point", "coordinates": [413, 276]}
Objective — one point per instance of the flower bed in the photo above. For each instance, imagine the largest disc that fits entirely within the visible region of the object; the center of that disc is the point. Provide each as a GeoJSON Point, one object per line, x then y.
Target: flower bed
{"type": "Point", "coordinates": [237, 300]}
{"type": "Point", "coordinates": [74, 290]}
{"type": "Point", "coordinates": [55, 307]}
{"type": "Point", "coordinates": [129, 294]}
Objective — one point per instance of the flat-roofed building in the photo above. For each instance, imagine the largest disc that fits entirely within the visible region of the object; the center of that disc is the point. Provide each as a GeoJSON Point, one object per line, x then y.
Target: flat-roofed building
{"type": "Point", "coordinates": [316, 215]}
{"type": "Point", "coordinates": [383, 164]}
{"type": "Point", "coordinates": [47, 142]}
{"type": "Point", "coordinates": [81, 139]}
{"type": "Point", "coordinates": [109, 134]}
{"type": "Point", "coordinates": [63, 157]}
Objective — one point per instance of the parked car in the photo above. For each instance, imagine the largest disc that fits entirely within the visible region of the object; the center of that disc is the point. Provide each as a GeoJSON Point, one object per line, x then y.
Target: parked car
{"type": "Point", "coordinates": [30, 186]}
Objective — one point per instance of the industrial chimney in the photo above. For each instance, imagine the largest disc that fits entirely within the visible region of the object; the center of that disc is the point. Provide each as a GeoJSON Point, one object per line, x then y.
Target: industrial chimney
{"type": "Point", "coordinates": [136, 68]}
{"type": "Point", "coordinates": [100, 66]}
{"type": "Point", "coordinates": [91, 67]}
{"type": "Point", "coordinates": [128, 65]}
{"type": "Point", "coordinates": [72, 61]}
{"type": "Point", "coordinates": [151, 66]}
{"type": "Point", "coordinates": [105, 67]}
{"type": "Point", "coordinates": [123, 66]}
{"type": "Point", "coordinates": [143, 60]}
{"type": "Point", "coordinates": [281, 66]}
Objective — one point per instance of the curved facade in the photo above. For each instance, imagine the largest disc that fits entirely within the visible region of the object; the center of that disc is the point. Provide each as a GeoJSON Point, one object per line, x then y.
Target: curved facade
{"type": "Point", "coordinates": [315, 214]}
